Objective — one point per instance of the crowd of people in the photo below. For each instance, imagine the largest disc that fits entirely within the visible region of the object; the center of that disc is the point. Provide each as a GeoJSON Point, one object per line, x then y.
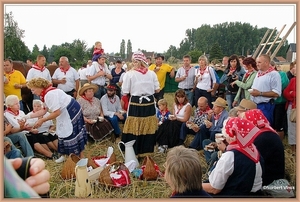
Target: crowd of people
{"type": "Point", "coordinates": [240, 133]}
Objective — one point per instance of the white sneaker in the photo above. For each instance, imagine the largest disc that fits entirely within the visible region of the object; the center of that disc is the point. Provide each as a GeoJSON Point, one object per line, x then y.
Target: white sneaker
{"type": "Point", "coordinates": [160, 149]}
{"type": "Point", "coordinates": [60, 159]}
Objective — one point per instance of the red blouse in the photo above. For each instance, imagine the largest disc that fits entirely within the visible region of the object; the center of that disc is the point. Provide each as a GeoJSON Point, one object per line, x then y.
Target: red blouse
{"type": "Point", "coordinates": [290, 93]}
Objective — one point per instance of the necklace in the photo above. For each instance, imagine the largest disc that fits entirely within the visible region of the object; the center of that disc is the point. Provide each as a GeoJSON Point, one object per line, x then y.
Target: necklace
{"type": "Point", "coordinates": [179, 108]}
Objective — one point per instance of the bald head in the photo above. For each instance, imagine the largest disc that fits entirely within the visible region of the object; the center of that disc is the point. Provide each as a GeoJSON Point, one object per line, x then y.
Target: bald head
{"type": "Point", "coordinates": [202, 103]}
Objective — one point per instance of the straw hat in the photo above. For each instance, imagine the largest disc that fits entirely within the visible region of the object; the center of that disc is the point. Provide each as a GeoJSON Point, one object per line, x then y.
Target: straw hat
{"type": "Point", "coordinates": [220, 102]}
{"type": "Point", "coordinates": [88, 86]}
{"type": "Point", "coordinates": [246, 105]}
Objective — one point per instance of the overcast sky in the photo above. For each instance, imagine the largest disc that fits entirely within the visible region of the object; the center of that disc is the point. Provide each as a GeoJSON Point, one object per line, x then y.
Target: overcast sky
{"type": "Point", "coordinates": [149, 27]}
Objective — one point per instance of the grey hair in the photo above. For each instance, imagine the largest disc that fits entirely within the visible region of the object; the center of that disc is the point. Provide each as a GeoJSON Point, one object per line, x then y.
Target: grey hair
{"type": "Point", "coordinates": [65, 58]}
{"type": "Point", "coordinates": [39, 102]}
{"type": "Point", "coordinates": [9, 100]}
{"type": "Point", "coordinates": [203, 57]}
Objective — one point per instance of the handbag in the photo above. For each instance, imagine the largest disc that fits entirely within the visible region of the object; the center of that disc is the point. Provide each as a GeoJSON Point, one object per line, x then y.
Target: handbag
{"type": "Point", "coordinates": [293, 115]}
{"type": "Point", "coordinates": [99, 130]}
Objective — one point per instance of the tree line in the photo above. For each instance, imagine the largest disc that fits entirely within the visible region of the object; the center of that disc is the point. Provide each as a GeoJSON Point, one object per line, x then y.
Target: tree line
{"type": "Point", "coordinates": [223, 39]}
{"type": "Point", "coordinates": [217, 41]}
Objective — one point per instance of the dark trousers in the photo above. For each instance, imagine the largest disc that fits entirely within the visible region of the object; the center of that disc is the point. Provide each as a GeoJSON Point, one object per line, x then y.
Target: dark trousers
{"type": "Point", "coordinates": [199, 93]}
{"type": "Point", "coordinates": [71, 93]}
{"type": "Point", "coordinates": [184, 130]}
{"type": "Point", "coordinates": [268, 110]}
{"type": "Point", "coordinates": [160, 95]}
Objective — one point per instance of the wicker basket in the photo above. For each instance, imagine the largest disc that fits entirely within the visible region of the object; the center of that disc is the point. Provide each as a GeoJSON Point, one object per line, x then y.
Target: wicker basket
{"type": "Point", "coordinates": [149, 172]}
{"type": "Point", "coordinates": [68, 170]}
{"type": "Point", "coordinates": [105, 178]}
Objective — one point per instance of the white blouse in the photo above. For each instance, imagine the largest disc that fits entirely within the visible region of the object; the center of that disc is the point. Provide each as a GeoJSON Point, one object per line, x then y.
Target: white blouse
{"type": "Point", "coordinates": [57, 99]}
{"type": "Point", "coordinates": [138, 84]}
{"type": "Point", "coordinates": [180, 112]}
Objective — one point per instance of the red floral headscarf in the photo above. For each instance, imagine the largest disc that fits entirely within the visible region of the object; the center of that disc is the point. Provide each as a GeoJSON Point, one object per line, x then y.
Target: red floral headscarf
{"type": "Point", "coordinates": [258, 119]}
{"type": "Point", "coordinates": [245, 133]}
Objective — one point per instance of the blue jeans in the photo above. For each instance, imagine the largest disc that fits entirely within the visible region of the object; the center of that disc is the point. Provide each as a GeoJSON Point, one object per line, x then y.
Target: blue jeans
{"type": "Point", "coordinates": [207, 154]}
{"type": "Point", "coordinates": [21, 105]}
{"type": "Point", "coordinates": [22, 139]}
{"type": "Point", "coordinates": [11, 143]}
{"type": "Point", "coordinates": [190, 96]}
{"type": "Point", "coordinates": [101, 91]}
{"type": "Point", "coordinates": [14, 153]}
{"type": "Point", "coordinates": [230, 99]}
{"type": "Point", "coordinates": [114, 121]}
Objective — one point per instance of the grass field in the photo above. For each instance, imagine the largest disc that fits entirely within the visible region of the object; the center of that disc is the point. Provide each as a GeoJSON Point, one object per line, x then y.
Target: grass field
{"type": "Point", "coordinates": [138, 189]}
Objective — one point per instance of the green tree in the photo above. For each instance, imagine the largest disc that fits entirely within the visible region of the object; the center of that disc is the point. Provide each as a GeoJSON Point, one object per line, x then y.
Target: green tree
{"type": "Point", "coordinates": [51, 56]}
{"type": "Point", "coordinates": [215, 52]}
{"type": "Point", "coordinates": [172, 60]}
{"type": "Point", "coordinates": [129, 47]}
{"type": "Point", "coordinates": [45, 52]}
{"type": "Point", "coordinates": [63, 51]}
{"type": "Point", "coordinates": [14, 47]}
{"type": "Point", "coordinates": [122, 48]}
{"type": "Point", "coordinates": [195, 54]}
{"type": "Point", "coordinates": [78, 52]}
{"type": "Point", "coordinates": [89, 53]}
{"type": "Point", "coordinates": [232, 37]}
{"type": "Point", "coordinates": [183, 49]}
{"type": "Point", "coordinates": [171, 52]}
{"type": "Point", "coordinates": [35, 52]}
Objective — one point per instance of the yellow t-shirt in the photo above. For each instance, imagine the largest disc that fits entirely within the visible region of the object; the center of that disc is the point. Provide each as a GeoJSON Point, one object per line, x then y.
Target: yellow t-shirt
{"type": "Point", "coordinates": [14, 78]}
{"type": "Point", "coordinates": [162, 73]}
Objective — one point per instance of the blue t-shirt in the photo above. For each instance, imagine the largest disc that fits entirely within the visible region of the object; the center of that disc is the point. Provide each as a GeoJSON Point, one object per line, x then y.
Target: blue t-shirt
{"type": "Point", "coordinates": [161, 117]}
